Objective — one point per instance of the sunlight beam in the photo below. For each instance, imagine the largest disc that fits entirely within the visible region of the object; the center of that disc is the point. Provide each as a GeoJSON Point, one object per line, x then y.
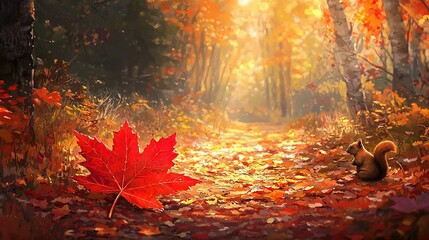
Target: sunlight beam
{"type": "Point", "coordinates": [243, 2]}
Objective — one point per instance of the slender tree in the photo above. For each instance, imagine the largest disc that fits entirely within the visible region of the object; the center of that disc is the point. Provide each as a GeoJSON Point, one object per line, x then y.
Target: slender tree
{"type": "Point", "coordinates": [401, 82]}
{"type": "Point", "coordinates": [17, 44]}
{"type": "Point", "coordinates": [288, 78]}
{"type": "Point", "coordinates": [347, 60]}
{"type": "Point", "coordinates": [416, 62]}
{"type": "Point", "coordinates": [201, 67]}
{"type": "Point", "coordinates": [283, 99]}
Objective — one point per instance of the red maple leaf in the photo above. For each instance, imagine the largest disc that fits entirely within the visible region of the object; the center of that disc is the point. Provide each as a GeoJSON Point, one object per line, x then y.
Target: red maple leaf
{"type": "Point", "coordinates": [138, 177]}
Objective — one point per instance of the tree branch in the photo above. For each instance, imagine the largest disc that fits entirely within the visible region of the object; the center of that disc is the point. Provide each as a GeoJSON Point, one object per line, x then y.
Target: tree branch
{"type": "Point", "coordinates": [374, 65]}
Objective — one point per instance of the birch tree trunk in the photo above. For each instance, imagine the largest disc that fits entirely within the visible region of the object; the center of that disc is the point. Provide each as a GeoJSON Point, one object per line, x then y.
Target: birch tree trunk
{"type": "Point", "coordinates": [401, 82]}
{"type": "Point", "coordinates": [347, 61]}
{"type": "Point", "coordinates": [17, 44]}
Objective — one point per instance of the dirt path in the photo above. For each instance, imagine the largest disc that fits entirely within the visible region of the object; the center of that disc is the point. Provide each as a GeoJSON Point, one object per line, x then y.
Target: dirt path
{"type": "Point", "coordinates": [259, 182]}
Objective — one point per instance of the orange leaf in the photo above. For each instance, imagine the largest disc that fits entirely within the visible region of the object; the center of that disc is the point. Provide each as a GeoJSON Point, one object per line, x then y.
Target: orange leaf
{"type": "Point", "coordinates": [149, 230]}
{"type": "Point", "coordinates": [51, 98]}
{"type": "Point", "coordinates": [60, 212]}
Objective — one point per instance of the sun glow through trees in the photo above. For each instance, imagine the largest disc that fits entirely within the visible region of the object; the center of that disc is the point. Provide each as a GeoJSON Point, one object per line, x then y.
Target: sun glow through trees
{"type": "Point", "coordinates": [243, 2]}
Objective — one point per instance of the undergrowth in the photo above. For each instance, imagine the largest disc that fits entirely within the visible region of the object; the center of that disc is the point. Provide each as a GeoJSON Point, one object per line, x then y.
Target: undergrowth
{"type": "Point", "coordinates": [392, 118]}
{"type": "Point", "coordinates": [47, 152]}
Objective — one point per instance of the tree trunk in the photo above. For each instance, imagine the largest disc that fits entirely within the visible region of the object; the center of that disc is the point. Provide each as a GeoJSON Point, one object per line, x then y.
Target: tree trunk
{"type": "Point", "coordinates": [200, 69]}
{"type": "Point", "coordinates": [401, 82]}
{"type": "Point", "coordinates": [267, 90]}
{"type": "Point", "coordinates": [283, 101]}
{"type": "Point", "coordinates": [16, 55]}
{"type": "Point", "coordinates": [274, 86]}
{"type": "Point", "coordinates": [266, 78]}
{"type": "Point", "coordinates": [225, 86]}
{"type": "Point", "coordinates": [221, 85]}
{"type": "Point", "coordinates": [215, 74]}
{"type": "Point", "coordinates": [17, 44]}
{"type": "Point", "coordinates": [383, 53]}
{"type": "Point", "coordinates": [208, 70]}
{"type": "Point", "coordinates": [283, 106]}
{"type": "Point", "coordinates": [347, 61]}
{"type": "Point", "coordinates": [416, 61]}
{"type": "Point", "coordinates": [288, 93]}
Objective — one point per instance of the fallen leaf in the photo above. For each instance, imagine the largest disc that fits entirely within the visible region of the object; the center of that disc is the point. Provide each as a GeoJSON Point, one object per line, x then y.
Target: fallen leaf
{"type": "Point", "coordinates": [212, 200]}
{"type": "Point", "coordinates": [270, 220]}
{"type": "Point", "coordinates": [42, 204]}
{"type": "Point", "coordinates": [315, 205]}
{"type": "Point", "coordinates": [63, 200]}
{"type": "Point", "coordinates": [138, 177]}
{"type": "Point", "coordinates": [169, 223]}
{"type": "Point", "coordinates": [103, 229]}
{"type": "Point", "coordinates": [60, 212]}
{"type": "Point", "coordinates": [149, 230]}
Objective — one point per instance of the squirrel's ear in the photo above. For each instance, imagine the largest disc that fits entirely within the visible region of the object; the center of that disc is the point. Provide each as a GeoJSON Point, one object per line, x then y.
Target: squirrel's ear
{"type": "Point", "coordinates": [360, 144]}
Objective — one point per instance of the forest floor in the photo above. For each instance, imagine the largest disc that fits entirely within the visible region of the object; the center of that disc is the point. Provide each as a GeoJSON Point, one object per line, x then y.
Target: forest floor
{"type": "Point", "coordinates": [259, 181]}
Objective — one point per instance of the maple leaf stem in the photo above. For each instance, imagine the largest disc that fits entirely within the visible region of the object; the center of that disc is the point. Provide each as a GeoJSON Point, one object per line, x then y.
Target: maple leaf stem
{"type": "Point", "coordinates": [109, 216]}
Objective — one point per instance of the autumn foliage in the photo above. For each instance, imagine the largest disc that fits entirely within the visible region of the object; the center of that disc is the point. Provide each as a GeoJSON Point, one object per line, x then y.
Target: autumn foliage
{"type": "Point", "coordinates": [257, 97]}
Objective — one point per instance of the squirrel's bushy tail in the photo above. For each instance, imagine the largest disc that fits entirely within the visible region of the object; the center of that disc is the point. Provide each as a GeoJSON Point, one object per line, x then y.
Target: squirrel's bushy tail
{"type": "Point", "coordinates": [380, 155]}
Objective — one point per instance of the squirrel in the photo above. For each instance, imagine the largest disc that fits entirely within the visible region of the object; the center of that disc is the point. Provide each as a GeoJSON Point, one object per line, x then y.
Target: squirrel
{"type": "Point", "coordinates": [371, 167]}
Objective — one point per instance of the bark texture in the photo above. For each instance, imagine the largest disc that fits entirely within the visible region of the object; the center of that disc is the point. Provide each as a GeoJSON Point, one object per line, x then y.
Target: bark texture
{"type": "Point", "coordinates": [347, 60]}
{"type": "Point", "coordinates": [402, 82]}
{"type": "Point", "coordinates": [17, 44]}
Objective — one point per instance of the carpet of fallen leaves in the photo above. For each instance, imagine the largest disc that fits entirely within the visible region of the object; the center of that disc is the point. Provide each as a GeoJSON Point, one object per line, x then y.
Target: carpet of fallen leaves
{"type": "Point", "coordinates": [258, 182]}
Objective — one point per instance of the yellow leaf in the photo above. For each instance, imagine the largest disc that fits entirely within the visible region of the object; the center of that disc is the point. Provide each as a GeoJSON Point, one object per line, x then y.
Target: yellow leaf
{"type": "Point", "coordinates": [188, 201]}
{"type": "Point", "coordinates": [423, 20]}
{"type": "Point", "coordinates": [300, 177]}
{"type": "Point", "coordinates": [212, 200]}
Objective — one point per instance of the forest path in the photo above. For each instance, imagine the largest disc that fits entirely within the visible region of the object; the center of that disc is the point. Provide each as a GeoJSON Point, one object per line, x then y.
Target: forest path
{"type": "Point", "coordinates": [259, 181]}
{"type": "Point", "coordinates": [264, 181]}
{"type": "Point", "coordinates": [247, 158]}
